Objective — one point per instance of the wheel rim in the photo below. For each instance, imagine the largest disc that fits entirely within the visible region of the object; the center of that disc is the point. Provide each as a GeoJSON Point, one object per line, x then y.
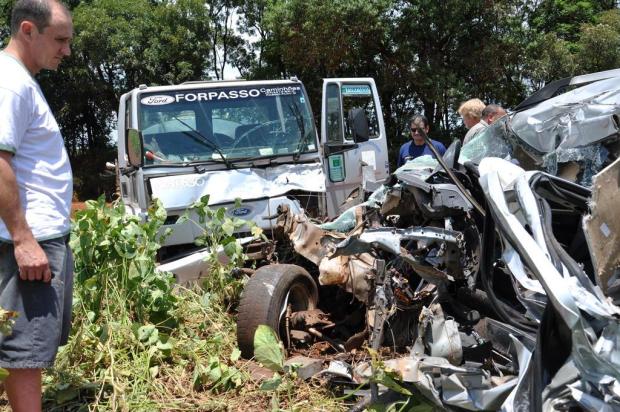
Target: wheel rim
{"type": "Point", "coordinates": [299, 299]}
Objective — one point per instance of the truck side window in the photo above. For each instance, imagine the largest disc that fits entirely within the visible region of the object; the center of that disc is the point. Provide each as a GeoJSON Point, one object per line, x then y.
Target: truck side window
{"type": "Point", "coordinates": [334, 116]}
{"type": "Point", "coordinates": [360, 96]}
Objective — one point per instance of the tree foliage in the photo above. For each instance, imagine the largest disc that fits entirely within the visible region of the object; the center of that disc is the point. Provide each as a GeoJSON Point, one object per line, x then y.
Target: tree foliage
{"type": "Point", "coordinates": [426, 55]}
{"type": "Point", "coordinates": [564, 17]}
{"type": "Point", "coordinates": [457, 50]}
{"type": "Point", "coordinates": [598, 47]}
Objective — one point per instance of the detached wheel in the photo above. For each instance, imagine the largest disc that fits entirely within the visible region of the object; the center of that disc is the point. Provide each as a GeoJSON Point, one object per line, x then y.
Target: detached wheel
{"type": "Point", "coordinates": [265, 299]}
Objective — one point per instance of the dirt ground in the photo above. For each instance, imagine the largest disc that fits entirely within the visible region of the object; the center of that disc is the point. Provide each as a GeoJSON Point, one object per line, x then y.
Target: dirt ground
{"type": "Point", "coordinates": [75, 206]}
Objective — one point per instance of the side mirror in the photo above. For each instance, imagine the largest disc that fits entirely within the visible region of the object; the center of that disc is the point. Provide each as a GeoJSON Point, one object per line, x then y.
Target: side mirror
{"type": "Point", "coordinates": [134, 145]}
{"type": "Point", "coordinates": [358, 123]}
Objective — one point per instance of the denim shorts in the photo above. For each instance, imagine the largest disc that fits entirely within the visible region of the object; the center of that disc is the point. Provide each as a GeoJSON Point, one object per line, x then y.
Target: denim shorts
{"type": "Point", "coordinates": [44, 309]}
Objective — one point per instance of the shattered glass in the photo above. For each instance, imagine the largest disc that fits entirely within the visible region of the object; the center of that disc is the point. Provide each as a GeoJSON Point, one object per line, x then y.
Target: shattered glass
{"type": "Point", "coordinates": [591, 160]}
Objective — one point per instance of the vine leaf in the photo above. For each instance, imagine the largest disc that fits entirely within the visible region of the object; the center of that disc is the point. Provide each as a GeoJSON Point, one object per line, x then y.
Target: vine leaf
{"type": "Point", "coordinates": [268, 350]}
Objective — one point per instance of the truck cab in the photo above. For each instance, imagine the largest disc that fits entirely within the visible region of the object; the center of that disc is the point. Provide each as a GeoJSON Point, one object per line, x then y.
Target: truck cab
{"type": "Point", "coordinates": [250, 140]}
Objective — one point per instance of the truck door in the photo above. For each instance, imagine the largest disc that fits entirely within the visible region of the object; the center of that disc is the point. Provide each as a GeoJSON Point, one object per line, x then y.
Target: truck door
{"type": "Point", "coordinates": [352, 161]}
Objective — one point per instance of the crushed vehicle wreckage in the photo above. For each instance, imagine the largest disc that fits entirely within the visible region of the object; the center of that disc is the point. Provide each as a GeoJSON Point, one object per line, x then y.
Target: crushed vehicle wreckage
{"type": "Point", "coordinates": [493, 276]}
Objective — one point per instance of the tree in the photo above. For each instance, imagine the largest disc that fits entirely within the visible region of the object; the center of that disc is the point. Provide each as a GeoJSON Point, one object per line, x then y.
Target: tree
{"type": "Point", "coordinates": [5, 17]}
{"type": "Point", "coordinates": [253, 25]}
{"type": "Point", "coordinates": [118, 45]}
{"type": "Point", "coordinates": [452, 51]}
{"type": "Point", "coordinates": [598, 47]}
{"type": "Point", "coordinates": [426, 55]}
{"type": "Point", "coordinates": [313, 39]}
{"type": "Point", "coordinates": [223, 38]}
{"type": "Point", "coordinates": [548, 58]}
{"type": "Point", "coordinates": [565, 17]}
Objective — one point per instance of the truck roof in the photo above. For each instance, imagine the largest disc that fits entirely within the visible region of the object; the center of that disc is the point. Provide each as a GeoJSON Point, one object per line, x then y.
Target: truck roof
{"type": "Point", "coordinates": [214, 84]}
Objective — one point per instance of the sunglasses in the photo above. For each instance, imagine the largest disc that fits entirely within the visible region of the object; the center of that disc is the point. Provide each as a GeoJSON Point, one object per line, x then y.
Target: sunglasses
{"type": "Point", "coordinates": [416, 130]}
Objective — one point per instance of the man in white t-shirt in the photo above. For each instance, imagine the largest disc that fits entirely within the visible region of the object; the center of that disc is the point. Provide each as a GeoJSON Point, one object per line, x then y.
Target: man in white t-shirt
{"type": "Point", "coordinates": [35, 199]}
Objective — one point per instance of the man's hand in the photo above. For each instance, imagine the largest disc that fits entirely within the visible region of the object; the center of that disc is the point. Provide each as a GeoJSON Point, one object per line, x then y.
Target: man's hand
{"type": "Point", "coordinates": [30, 258]}
{"type": "Point", "coordinates": [32, 261]}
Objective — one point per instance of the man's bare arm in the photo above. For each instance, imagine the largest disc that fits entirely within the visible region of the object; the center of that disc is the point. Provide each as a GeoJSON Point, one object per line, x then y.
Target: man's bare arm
{"type": "Point", "coordinates": [30, 258]}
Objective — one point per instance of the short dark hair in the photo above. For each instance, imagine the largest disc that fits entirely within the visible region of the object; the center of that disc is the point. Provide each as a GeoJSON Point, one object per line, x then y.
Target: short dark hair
{"type": "Point", "coordinates": [418, 117]}
{"type": "Point", "coordinates": [37, 11]}
{"type": "Point", "coordinates": [490, 109]}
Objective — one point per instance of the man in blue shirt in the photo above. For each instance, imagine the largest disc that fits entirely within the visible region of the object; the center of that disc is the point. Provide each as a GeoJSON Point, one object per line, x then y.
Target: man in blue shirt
{"type": "Point", "coordinates": [416, 147]}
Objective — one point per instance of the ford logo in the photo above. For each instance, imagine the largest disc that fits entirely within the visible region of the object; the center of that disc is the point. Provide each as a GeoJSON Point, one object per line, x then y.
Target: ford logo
{"type": "Point", "coordinates": [240, 211]}
{"type": "Point", "coordinates": [157, 100]}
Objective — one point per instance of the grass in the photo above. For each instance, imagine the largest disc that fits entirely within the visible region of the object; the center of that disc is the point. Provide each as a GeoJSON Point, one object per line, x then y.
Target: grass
{"type": "Point", "coordinates": [123, 375]}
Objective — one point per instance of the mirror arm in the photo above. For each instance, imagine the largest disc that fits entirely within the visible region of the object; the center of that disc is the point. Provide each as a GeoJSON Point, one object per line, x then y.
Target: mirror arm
{"type": "Point", "coordinates": [127, 170]}
{"type": "Point", "coordinates": [341, 148]}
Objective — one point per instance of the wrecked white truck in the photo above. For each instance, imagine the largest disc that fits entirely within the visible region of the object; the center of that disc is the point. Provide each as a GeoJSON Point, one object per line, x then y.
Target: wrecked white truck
{"type": "Point", "coordinates": [253, 141]}
{"type": "Point", "coordinates": [489, 281]}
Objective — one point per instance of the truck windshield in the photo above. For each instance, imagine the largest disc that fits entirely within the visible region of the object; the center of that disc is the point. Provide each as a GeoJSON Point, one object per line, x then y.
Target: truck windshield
{"type": "Point", "coordinates": [242, 122]}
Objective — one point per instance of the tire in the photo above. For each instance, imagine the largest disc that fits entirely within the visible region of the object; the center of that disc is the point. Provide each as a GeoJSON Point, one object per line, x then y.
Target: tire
{"type": "Point", "coordinates": [264, 297]}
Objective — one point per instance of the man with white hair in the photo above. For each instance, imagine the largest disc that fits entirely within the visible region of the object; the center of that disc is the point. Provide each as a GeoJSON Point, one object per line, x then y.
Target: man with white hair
{"type": "Point", "coordinates": [471, 112]}
{"type": "Point", "coordinates": [36, 186]}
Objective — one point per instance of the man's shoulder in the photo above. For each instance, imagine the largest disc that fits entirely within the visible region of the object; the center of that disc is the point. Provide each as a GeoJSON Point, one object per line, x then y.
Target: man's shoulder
{"type": "Point", "coordinates": [14, 78]}
{"type": "Point", "coordinates": [438, 144]}
{"type": "Point", "coordinates": [478, 127]}
{"type": "Point", "coordinates": [405, 145]}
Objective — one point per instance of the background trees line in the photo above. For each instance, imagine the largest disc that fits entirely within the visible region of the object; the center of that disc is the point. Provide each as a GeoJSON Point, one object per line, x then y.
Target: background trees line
{"type": "Point", "coordinates": [426, 55]}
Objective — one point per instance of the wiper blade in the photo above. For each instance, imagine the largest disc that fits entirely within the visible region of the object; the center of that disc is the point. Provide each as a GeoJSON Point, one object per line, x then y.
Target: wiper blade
{"type": "Point", "coordinates": [204, 162]}
{"type": "Point", "coordinates": [301, 144]}
{"type": "Point", "coordinates": [302, 130]}
{"type": "Point", "coordinates": [253, 158]}
{"type": "Point", "coordinates": [205, 140]}
{"type": "Point", "coordinates": [268, 158]}
{"type": "Point", "coordinates": [200, 170]}
{"type": "Point", "coordinates": [195, 164]}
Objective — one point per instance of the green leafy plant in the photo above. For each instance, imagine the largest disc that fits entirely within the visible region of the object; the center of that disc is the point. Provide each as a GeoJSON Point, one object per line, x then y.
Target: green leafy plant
{"type": "Point", "coordinates": [115, 255]}
{"type": "Point", "coordinates": [393, 381]}
{"type": "Point", "coordinates": [269, 352]}
{"type": "Point", "coordinates": [133, 326]}
{"type": "Point", "coordinates": [7, 320]}
{"type": "Point", "coordinates": [220, 376]}
{"type": "Point", "coordinates": [225, 252]}
{"type": "Point", "coordinates": [139, 341]}
{"type": "Point", "coordinates": [268, 349]}
{"type": "Point", "coordinates": [384, 376]}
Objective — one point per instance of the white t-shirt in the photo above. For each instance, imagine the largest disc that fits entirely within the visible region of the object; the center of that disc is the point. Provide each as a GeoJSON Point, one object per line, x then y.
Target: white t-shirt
{"type": "Point", "coordinates": [29, 130]}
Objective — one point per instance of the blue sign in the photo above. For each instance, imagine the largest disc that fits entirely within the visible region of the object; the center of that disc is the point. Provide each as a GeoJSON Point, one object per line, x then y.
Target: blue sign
{"type": "Point", "coordinates": [240, 211]}
{"type": "Point", "coordinates": [356, 90]}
